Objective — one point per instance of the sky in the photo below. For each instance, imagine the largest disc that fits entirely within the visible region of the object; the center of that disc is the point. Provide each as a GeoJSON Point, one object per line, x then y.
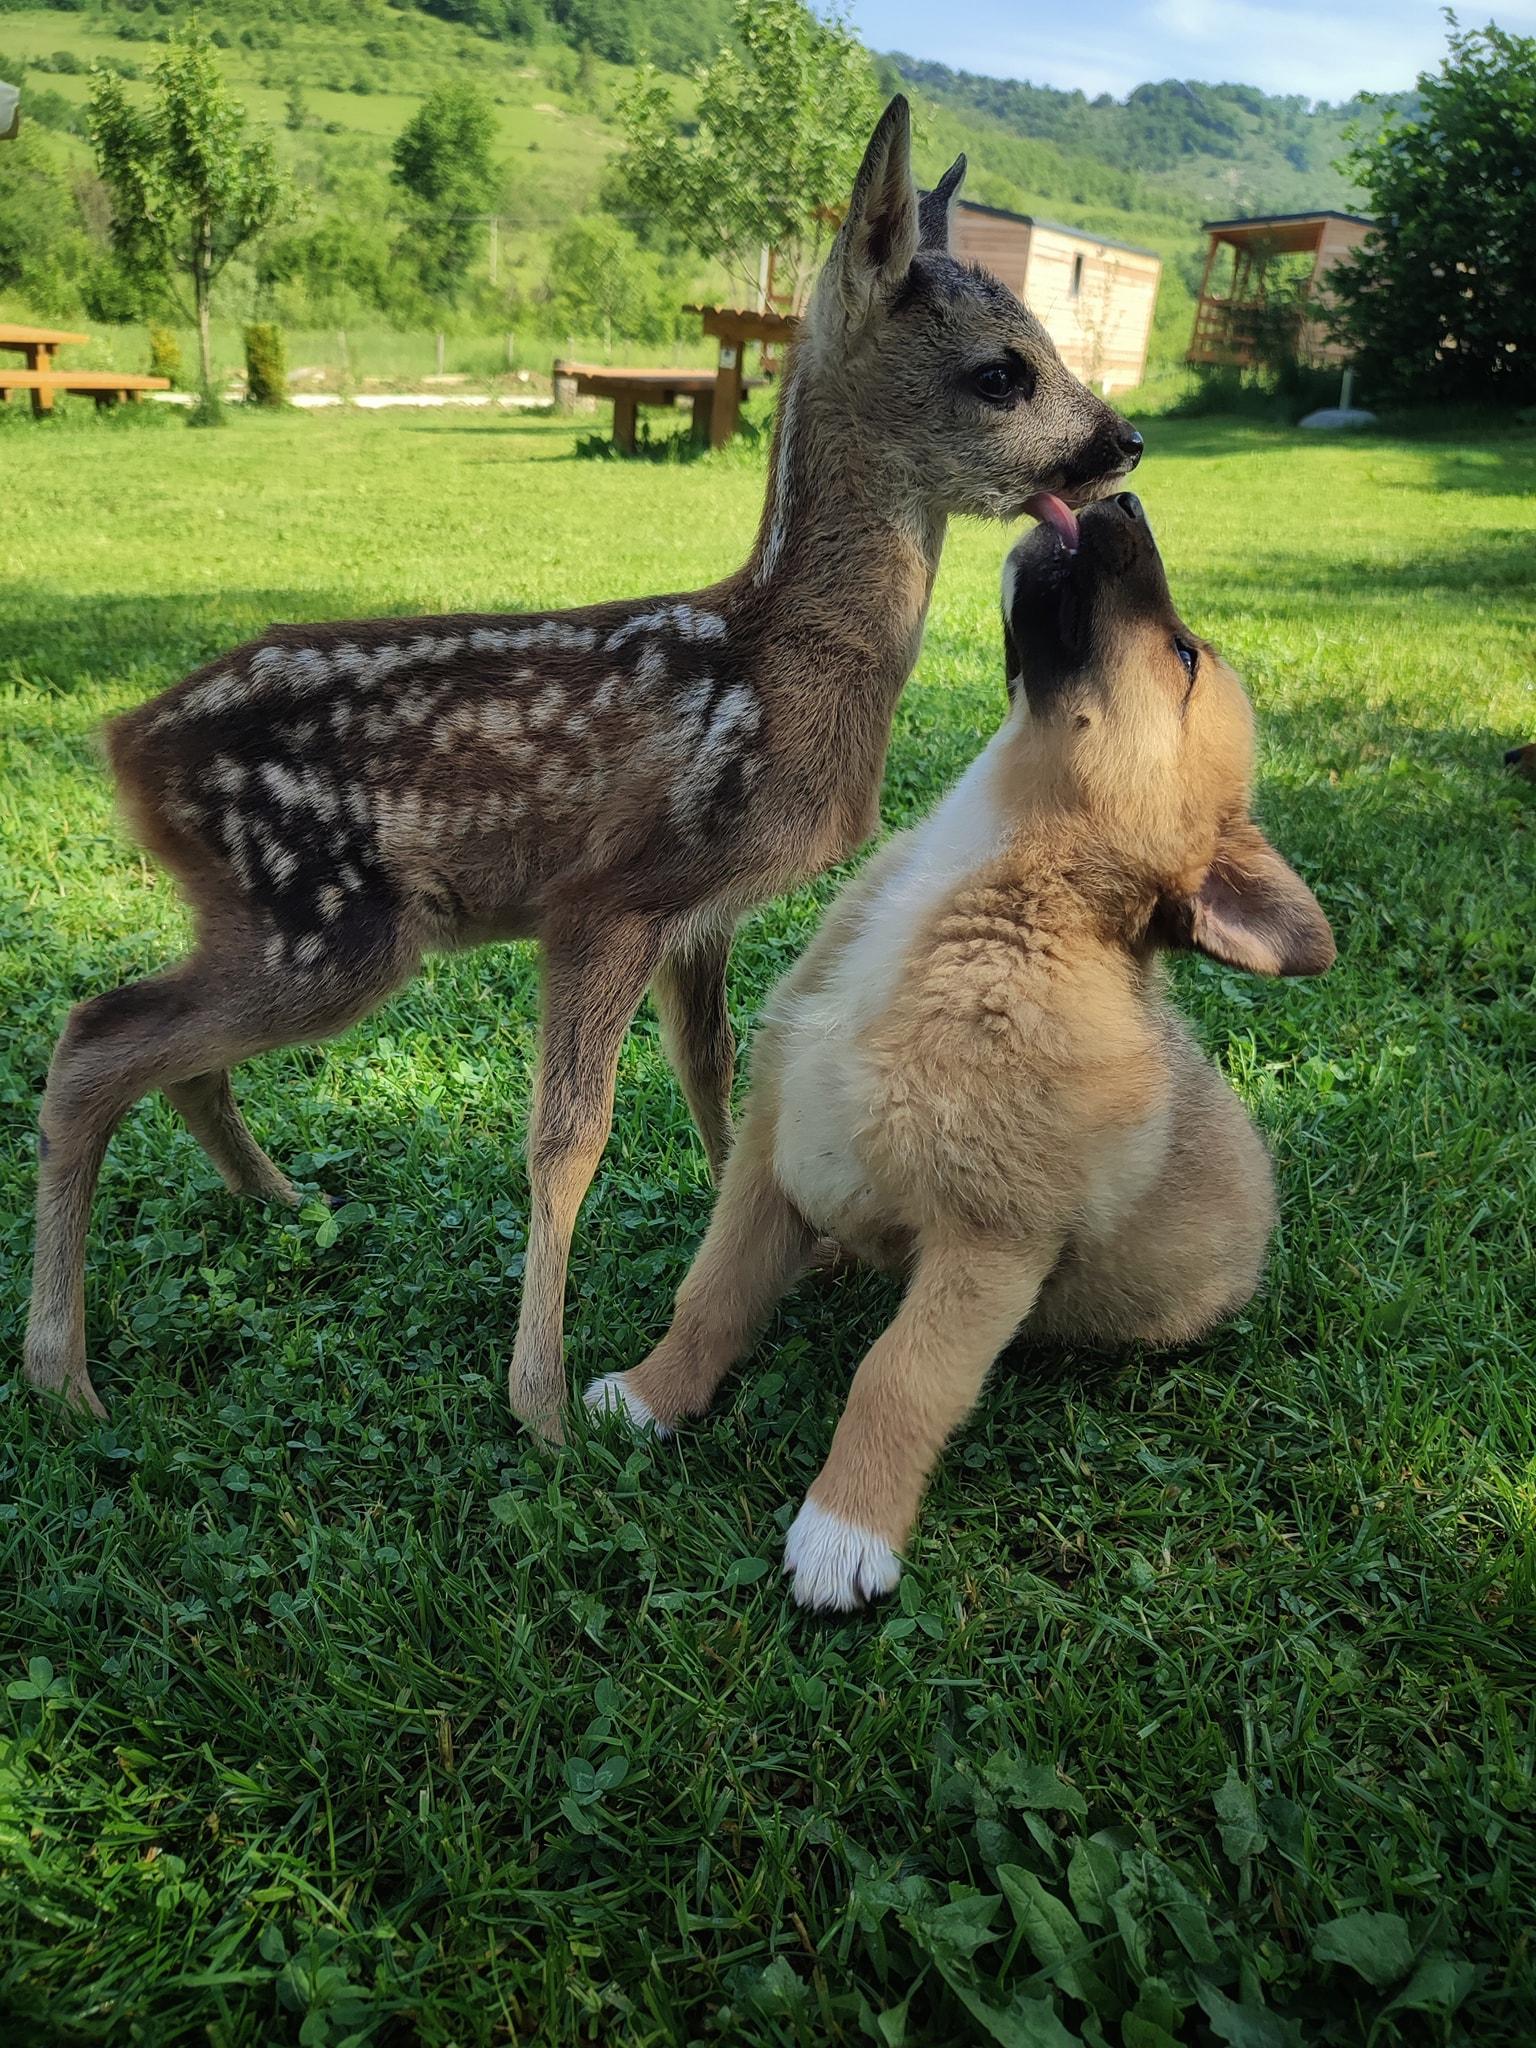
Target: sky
{"type": "Point", "coordinates": [1326, 51]}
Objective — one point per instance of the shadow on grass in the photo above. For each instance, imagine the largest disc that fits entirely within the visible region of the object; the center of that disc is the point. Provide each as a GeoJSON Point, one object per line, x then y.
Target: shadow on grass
{"type": "Point", "coordinates": [1337, 586]}
{"type": "Point", "coordinates": [54, 639]}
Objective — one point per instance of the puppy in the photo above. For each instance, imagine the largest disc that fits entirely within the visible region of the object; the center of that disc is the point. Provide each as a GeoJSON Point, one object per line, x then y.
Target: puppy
{"type": "Point", "coordinates": [975, 1075]}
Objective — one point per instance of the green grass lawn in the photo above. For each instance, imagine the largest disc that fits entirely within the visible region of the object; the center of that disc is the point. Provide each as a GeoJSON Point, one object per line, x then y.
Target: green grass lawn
{"type": "Point", "coordinates": [340, 1713]}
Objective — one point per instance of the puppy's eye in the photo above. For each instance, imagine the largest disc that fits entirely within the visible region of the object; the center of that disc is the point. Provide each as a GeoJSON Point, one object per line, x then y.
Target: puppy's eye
{"type": "Point", "coordinates": [1190, 656]}
{"type": "Point", "coordinates": [1003, 381]}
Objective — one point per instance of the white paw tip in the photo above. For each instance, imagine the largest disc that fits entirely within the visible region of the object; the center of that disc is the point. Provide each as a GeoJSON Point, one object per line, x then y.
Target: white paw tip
{"type": "Point", "coordinates": [837, 1565]}
{"type": "Point", "coordinates": [610, 1396]}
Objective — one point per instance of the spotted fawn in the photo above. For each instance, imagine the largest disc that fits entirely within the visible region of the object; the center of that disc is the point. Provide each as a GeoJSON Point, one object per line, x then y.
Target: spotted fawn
{"type": "Point", "coordinates": [620, 782]}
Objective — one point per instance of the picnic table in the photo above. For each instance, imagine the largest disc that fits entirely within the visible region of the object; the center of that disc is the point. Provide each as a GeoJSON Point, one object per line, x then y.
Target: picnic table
{"type": "Point", "coordinates": [735, 327]}
{"type": "Point", "coordinates": [37, 344]}
{"type": "Point", "coordinates": [716, 394]}
{"type": "Point", "coordinates": [630, 389]}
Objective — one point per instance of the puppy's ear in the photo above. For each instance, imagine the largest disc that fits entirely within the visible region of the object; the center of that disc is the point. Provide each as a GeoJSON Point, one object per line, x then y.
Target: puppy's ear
{"type": "Point", "coordinates": [936, 209]}
{"type": "Point", "coordinates": [1252, 911]}
{"type": "Point", "coordinates": [878, 239]}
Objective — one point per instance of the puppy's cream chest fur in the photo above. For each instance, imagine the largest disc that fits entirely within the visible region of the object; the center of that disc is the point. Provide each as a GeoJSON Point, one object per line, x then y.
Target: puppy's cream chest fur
{"type": "Point", "coordinates": [826, 1085]}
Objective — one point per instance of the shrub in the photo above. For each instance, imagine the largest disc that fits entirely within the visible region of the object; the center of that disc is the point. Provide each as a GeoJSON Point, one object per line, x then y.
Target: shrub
{"type": "Point", "coordinates": [164, 353]}
{"type": "Point", "coordinates": [266, 366]}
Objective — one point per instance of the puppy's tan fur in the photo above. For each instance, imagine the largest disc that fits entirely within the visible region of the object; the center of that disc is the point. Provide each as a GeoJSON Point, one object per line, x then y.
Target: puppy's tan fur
{"type": "Point", "coordinates": [975, 1074]}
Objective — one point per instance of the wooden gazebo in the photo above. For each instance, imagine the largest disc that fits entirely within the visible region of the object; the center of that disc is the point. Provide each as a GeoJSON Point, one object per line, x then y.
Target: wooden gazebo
{"type": "Point", "coordinates": [1230, 324]}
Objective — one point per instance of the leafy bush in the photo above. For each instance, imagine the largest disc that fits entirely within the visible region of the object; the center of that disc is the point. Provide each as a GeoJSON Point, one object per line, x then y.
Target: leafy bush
{"type": "Point", "coordinates": [1439, 301]}
{"type": "Point", "coordinates": [164, 354]}
{"type": "Point", "coordinates": [266, 364]}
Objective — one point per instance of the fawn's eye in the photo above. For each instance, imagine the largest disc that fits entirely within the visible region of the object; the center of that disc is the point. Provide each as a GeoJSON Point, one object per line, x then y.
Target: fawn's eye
{"type": "Point", "coordinates": [1190, 656]}
{"type": "Point", "coordinates": [1004, 380]}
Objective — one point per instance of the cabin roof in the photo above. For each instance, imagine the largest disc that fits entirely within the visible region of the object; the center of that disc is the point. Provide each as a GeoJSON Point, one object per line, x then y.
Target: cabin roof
{"type": "Point", "coordinates": [1288, 231]}
{"type": "Point", "coordinates": [1056, 227]}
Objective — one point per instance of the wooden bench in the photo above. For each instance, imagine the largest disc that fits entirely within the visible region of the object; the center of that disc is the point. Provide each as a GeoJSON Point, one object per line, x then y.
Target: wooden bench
{"type": "Point", "coordinates": [631, 388]}
{"type": "Point", "coordinates": [107, 387]}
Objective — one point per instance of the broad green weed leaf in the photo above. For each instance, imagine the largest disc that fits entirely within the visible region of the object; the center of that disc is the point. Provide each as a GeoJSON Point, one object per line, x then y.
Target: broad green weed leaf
{"type": "Point", "coordinates": [1376, 1946]}
{"type": "Point", "coordinates": [1242, 1836]}
{"type": "Point", "coordinates": [1093, 1877]}
{"type": "Point", "coordinates": [1242, 2025]}
{"type": "Point", "coordinates": [1058, 1943]}
{"type": "Point", "coordinates": [1021, 2023]}
{"type": "Point", "coordinates": [1439, 1984]}
{"type": "Point", "coordinates": [1032, 1787]}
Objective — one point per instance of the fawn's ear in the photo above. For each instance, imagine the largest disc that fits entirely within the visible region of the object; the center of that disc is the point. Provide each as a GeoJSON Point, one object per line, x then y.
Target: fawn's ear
{"type": "Point", "coordinates": [1252, 910]}
{"type": "Point", "coordinates": [878, 238]}
{"type": "Point", "coordinates": [935, 209]}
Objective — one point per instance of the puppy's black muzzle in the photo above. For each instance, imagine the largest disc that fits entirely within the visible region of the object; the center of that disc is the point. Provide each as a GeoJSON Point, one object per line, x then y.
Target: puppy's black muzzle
{"type": "Point", "coordinates": [1060, 596]}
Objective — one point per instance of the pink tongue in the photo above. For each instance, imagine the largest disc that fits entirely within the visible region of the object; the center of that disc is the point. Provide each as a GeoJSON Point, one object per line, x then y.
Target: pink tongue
{"type": "Point", "coordinates": [1057, 514]}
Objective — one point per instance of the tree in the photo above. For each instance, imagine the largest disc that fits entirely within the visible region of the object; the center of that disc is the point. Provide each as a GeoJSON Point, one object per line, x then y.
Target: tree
{"type": "Point", "coordinates": [442, 159]}
{"type": "Point", "coordinates": [1439, 301]}
{"type": "Point", "coordinates": [783, 115]}
{"type": "Point", "coordinates": [600, 277]}
{"type": "Point", "coordinates": [190, 183]}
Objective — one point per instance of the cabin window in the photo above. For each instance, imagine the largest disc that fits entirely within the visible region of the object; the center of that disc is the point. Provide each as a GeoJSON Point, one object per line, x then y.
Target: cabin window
{"type": "Point", "coordinates": [1077, 276]}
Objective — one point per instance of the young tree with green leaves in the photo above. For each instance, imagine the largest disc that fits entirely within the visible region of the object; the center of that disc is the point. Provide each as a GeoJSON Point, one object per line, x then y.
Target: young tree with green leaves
{"type": "Point", "coordinates": [442, 160]}
{"type": "Point", "coordinates": [1439, 302]}
{"type": "Point", "coordinates": [601, 279]}
{"type": "Point", "coordinates": [782, 116]}
{"type": "Point", "coordinates": [191, 183]}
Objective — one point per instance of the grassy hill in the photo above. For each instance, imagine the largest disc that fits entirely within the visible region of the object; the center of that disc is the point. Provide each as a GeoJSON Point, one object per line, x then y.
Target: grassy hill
{"type": "Point", "coordinates": [1227, 149]}
{"type": "Point", "coordinates": [336, 80]}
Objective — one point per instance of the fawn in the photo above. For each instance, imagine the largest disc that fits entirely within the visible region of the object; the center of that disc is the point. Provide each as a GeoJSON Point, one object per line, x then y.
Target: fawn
{"type": "Point", "coordinates": [620, 782]}
{"type": "Point", "coordinates": [974, 1075]}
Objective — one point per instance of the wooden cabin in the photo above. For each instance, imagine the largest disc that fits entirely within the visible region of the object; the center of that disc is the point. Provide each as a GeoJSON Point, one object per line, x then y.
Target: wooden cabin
{"type": "Point", "coordinates": [1095, 297]}
{"type": "Point", "coordinates": [1243, 261]}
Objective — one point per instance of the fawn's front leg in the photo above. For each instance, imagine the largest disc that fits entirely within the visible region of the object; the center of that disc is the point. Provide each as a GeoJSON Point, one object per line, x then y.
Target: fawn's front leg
{"type": "Point", "coordinates": [757, 1245]}
{"type": "Point", "coordinates": [593, 982]}
{"type": "Point", "coordinates": [918, 1382]}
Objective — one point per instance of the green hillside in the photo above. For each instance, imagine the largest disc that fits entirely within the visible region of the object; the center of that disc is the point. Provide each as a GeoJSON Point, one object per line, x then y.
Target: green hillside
{"type": "Point", "coordinates": [1223, 148]}
{"type": "Point", "coordinates": [336, 80]}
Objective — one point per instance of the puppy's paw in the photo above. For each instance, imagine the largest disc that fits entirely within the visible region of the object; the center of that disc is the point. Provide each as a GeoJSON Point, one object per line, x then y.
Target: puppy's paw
{"type": "Point", "coordinates": [610, 1396]}
{"type": "Point", "coordinates": [837, 1565]}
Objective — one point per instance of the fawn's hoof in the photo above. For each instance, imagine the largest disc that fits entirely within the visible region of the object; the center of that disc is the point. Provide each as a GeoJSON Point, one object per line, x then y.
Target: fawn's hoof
{"type": "Point", "coordinates": [837, 1565]}
{"type": "Point", "coordinates": [56, 1373]}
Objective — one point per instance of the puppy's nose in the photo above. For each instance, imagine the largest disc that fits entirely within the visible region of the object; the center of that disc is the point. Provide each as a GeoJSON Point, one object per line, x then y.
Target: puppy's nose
{"type": "Point", "coordinates": [1130, 505]}
{"type": "Point", "coordinates": [1130, 444]}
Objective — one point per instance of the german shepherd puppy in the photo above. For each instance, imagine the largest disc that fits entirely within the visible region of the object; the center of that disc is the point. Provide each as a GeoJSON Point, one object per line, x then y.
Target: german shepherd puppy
{"type": "Point", "coordinates": [975, 1074]}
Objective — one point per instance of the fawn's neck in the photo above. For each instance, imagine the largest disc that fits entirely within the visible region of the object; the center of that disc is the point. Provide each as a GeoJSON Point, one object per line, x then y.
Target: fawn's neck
{"type": "Point", "coordinates": [845, 544]}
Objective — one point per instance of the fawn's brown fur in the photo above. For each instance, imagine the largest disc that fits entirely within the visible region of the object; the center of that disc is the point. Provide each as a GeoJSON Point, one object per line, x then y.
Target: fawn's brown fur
{"type": "Point", "coordinates": [974, 1074]}
{"type": "Point", "coordinates": [620, 782]}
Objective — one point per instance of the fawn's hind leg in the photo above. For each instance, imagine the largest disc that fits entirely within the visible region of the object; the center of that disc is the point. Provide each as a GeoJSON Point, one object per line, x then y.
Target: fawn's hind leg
{"type": "Point", "coordinates": [207, 1106]}
{"type": "Point", "coordinates": [177, 1028]}
{"type": "Point", "coordinates": [689, 993]}
{"type": "Point", "coordinates": [757, 1246]}
{"type": "Point", "coordinates": [594, 979]}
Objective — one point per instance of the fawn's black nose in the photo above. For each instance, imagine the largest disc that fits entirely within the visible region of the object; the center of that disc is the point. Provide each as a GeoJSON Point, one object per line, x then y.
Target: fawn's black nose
{"type": "Point", "coordinates": [1129, 504]}
{"type": "Point", "coordinates": [1130, 444]}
